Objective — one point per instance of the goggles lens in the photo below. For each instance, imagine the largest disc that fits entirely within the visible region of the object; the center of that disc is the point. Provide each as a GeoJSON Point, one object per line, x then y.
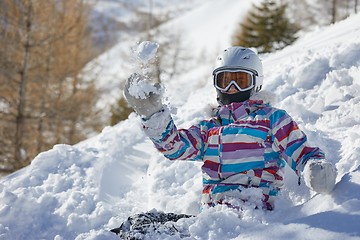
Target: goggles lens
{"type": "Point", "coordinates": [242, 80]}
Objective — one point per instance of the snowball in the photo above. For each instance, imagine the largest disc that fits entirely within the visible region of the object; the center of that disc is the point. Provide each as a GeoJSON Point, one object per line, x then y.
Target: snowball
{"type": "Point", "coordinates": [141, 87]}
{"type": "Point", "coordinates": [147, 50]}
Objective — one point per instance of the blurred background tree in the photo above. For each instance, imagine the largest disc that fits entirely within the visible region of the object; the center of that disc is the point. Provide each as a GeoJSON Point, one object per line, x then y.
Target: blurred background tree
{"type": "Point", "coordinates": [266, 28]}
{"type": "Point", "coordinates": [44, 46]}
{"type": "Point", "coordinates": [119, 111]}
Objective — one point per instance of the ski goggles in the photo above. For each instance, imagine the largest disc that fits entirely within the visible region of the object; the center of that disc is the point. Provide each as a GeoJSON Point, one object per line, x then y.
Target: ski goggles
{"type": "Point", "coordinates": [243, 80]}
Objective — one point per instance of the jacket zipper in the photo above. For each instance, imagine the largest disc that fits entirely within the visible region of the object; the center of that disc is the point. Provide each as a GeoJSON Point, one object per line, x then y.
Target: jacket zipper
{"type": "Point", "coordinates": [220, 147]}
{"type": "Point", "coordinates": [220, 154]}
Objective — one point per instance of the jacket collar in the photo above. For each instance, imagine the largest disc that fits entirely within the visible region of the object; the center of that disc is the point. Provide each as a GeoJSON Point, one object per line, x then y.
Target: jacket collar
{"type": "Point", "coordinates": [239, 110]}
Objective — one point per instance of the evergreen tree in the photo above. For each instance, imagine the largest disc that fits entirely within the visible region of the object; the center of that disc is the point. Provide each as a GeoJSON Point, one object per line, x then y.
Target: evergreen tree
{"type": "Point", "coordinates": [266, 28]}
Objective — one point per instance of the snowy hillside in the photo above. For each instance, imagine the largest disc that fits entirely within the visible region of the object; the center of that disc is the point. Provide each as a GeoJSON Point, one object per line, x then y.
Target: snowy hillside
{"type": "Point", "coordinates": [203, 23]}
{"type": "Point", "coordinates": [82, 191]}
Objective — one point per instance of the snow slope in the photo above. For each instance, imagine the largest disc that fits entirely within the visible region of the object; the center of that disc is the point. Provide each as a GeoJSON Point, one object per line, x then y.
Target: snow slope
{"type": "Point", "coordinates": [211, 22]}
{"type": "Point", "coordinates": [82, 191]}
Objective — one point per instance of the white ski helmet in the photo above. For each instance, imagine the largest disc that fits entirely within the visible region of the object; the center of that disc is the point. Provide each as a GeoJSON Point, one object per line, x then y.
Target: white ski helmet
{"type": "Point", "coordinates": [239, 58]}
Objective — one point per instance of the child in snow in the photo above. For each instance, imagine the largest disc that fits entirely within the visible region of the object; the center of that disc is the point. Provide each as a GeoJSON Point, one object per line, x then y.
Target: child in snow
{"type": "Point", "coordinates": [248, 142]}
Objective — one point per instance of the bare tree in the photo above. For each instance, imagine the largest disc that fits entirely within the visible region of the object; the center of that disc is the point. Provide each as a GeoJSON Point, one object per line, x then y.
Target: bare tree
{"type": "Point", "coordinates": [17, 30]}
{"type": "Point", "coordinates": [44, 98]}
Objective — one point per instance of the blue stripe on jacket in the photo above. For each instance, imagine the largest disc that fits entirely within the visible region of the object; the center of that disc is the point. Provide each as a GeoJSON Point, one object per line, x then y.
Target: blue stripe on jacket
{"type": "Point", "coordinates": [242, 167]}
{"type": "Point", "coordinates": [245, 131]}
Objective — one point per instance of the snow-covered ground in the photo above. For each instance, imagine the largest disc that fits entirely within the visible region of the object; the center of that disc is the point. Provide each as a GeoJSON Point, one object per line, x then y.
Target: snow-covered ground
{"type": "Point", "coordinates": [82, 191]}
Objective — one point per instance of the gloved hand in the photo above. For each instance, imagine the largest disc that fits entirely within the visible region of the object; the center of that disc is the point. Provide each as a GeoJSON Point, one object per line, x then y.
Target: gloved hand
{"type": "Point", "coordinates": [142, 96]}
{"type": "Point", "coordinates": [319, 176]}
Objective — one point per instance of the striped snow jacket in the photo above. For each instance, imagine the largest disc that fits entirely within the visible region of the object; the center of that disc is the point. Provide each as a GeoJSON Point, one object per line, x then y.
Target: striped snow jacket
{"type": "Point", "coordinates": [246, 145]}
